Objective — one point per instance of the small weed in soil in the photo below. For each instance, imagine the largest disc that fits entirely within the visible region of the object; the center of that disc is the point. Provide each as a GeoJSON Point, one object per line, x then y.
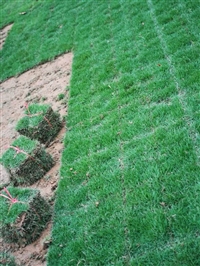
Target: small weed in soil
{"type": "Point", "coordinates": [61, 96]}
{"type": "Point", "coordinates": [44, 99]}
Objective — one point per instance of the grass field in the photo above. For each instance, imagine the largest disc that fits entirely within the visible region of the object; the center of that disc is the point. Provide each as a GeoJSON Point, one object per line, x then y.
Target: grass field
{"type": "Point", "coordinates": [130, 177]}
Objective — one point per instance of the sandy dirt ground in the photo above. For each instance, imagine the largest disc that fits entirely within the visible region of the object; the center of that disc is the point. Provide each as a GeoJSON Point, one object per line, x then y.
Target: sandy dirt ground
{"type": "Point", "coordinates": [42, 84]}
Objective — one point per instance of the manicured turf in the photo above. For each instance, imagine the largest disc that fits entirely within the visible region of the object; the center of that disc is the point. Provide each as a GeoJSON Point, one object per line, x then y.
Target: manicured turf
{"type": "Point", "coordinates": [129, 187]}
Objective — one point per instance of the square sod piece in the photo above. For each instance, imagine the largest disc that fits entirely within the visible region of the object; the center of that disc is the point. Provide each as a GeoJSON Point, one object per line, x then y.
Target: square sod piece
{"type": "Point", "coordinates": [26, 161]}
{"type": "Point", "coordinates": [23, 221]}
{"type": "Point", "coordinates": [40, 123]}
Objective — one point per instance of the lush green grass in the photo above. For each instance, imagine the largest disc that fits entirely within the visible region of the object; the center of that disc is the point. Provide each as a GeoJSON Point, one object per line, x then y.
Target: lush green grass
{"type": "Point", "coordinates": [35, 37]}
{"type": "Point", "coordinates": [129, 188]}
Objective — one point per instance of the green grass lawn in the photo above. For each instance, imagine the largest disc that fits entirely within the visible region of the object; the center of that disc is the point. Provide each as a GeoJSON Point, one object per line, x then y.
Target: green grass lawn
{"type": "Point", "coordinates": [129, 192]}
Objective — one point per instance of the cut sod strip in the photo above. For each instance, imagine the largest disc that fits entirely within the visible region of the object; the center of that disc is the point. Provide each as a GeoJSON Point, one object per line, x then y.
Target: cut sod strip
{"type": "Point", "coordinates": [23, 215]}
{"type": "Point", "coordinates": [26, 161]}
{"type": "Point", "coordinates": [40, 123]}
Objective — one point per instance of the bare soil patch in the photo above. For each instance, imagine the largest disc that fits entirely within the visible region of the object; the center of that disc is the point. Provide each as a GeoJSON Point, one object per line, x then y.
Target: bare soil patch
{"type": "Point", "coordinates": [3, 34]}
{"type": "Point", "coordinates": [45, 83]}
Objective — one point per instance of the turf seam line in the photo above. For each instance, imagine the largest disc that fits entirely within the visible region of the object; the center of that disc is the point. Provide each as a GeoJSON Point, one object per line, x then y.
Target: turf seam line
{"type": "Point", "coordinates": [126, 255]}
{"type": "Point", "coordinates": [166, 245]}
{"type": "Point", "coordinates": [193, 134]}
{"type": "Point", "coordinates": [166, 102]}
{"type": "Point", "coordinates": [134, 138]}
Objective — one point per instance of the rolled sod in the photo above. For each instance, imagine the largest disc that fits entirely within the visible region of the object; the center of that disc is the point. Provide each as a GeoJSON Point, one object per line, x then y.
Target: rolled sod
{"type": "Point", "coordinates": [40, 123]}
{"type": "Point", "coordinates": [23, 221]}
{"type": "Point", "coordinates": [26, 161]}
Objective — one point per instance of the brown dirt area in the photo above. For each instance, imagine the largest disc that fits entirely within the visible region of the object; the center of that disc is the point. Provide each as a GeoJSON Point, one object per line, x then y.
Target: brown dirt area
{"type": "Point", "coordinates": [41, 84]}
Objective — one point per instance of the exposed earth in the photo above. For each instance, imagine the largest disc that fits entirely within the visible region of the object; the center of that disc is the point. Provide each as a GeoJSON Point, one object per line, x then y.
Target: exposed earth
{"type": "Point", "coordinates": [47, 83]}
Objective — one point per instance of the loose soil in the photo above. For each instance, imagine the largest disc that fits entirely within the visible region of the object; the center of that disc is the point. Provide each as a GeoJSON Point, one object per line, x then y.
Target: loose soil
{"type": "Point", "coordinates": [42, 84]}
